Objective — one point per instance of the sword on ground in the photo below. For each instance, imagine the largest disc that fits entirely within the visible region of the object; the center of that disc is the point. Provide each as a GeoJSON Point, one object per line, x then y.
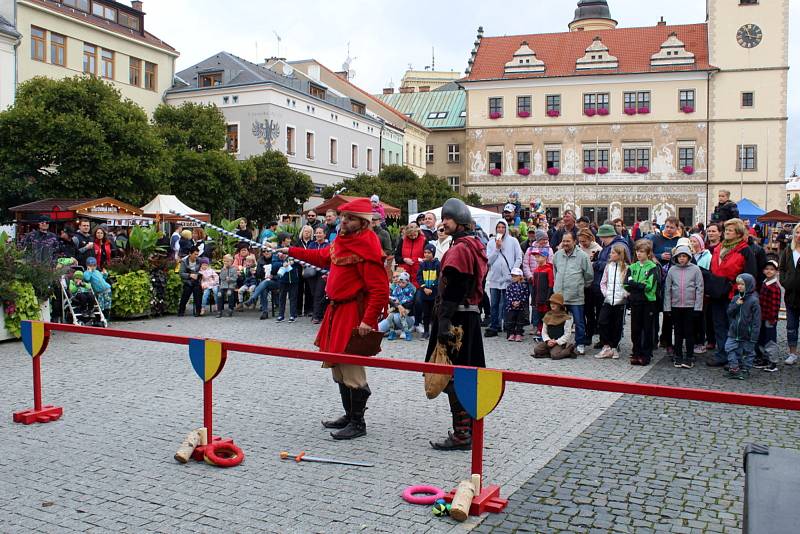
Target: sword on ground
{"type": "Point", "coordinates": [303, 458]}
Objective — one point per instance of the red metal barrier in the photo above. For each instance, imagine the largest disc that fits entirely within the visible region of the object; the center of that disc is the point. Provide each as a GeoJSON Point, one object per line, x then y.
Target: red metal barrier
{"type": "Point", "coordinates": [488, 500]}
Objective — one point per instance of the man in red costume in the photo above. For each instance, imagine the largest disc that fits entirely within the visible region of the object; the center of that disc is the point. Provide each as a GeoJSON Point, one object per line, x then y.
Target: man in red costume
{"type": "Point", "coordinates": [358, 289]}
{"type": "Point", "coordinates": [463, 269]}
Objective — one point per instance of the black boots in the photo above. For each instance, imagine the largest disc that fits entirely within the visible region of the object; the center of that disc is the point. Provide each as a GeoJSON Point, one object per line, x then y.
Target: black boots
{"type": "Point", "coordinates": [343, 421]}
{"type": "Point", "coordinates": [358, 405]}
{"type": "Point", "coordinates": [460, 439]}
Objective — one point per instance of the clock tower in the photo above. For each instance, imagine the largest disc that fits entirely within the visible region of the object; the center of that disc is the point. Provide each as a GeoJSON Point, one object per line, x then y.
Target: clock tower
{"type": "Point", "coordinates": [748, 41]}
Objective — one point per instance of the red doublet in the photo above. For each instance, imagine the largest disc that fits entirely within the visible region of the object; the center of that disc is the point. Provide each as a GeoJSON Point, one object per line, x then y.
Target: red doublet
{"type": "Point", "coordinates": [357, 286]}
{"type": "Point", "coordinates": [467, 255]}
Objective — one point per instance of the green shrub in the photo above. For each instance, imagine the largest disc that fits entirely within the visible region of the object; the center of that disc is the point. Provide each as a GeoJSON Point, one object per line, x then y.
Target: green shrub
{"type": "Point", "coordinates": [174, 290]}
{"type": "Point", "coordinates": [25, 307]}
{"type": "Point", "coordinates": [131, 295]}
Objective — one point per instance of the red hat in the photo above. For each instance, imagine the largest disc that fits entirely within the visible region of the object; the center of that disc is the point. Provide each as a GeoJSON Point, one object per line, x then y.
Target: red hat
{"type": "Point", "coordinates": [360, 207]}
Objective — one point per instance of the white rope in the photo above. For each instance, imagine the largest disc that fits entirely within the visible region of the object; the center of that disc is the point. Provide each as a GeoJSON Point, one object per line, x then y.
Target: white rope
{"type": "Point", "coordinates": [242, 239]}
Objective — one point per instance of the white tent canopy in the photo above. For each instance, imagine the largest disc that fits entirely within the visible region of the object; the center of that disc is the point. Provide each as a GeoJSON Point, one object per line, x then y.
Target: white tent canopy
{"type": "Point", "coordinates": [485, 219]}
{"type": "Point", "coordinates": [162, 205]}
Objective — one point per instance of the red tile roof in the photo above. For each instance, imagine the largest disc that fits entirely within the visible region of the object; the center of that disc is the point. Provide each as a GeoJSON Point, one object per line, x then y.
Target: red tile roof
{"type": "Point", "coordinates": [148, 38]}
{"type": "Point", "coordinates": [559, 51]}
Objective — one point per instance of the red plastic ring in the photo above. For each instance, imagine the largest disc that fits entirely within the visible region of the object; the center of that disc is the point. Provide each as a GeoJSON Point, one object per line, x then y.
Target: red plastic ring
{"type": "Point", "coordinates": [223, 454]}
{"type": "Point", "coordinates": [429, 494]}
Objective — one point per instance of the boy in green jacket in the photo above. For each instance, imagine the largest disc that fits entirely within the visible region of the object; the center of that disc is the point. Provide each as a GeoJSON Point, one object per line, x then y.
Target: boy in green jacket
{"type": "Point", "coordinates": [642, 285]}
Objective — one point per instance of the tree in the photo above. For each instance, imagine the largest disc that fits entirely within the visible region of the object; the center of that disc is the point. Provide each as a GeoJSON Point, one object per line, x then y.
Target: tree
{"type": "Point", "coordinates": [396, 185]}
{"type": "Point", "coordinates": [271, 187]}
{"type": "Point", "coordinates": [77, 138]}
{"type": "Point", "coordinates": [201, 172]}
{"type": "Point", "coordinates": [794, 206]}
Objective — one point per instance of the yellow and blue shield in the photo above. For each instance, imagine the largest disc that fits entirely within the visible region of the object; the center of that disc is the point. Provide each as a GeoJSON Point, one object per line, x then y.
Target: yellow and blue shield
{"type": "Point", "coordinates": [34, 337]}
{"type": "Point", "coordinates": [478, 390]}
{"type": "Point", "coordinates": [207, 357]}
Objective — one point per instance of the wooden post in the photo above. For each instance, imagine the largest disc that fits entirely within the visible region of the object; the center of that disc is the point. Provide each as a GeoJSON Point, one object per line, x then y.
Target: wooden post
{"type": "Point", "coordinates": [37, 385]}
{"type": "Point", "coordinates": [207, 409]}
{"type": "Point", "coordinates": [477, 449]}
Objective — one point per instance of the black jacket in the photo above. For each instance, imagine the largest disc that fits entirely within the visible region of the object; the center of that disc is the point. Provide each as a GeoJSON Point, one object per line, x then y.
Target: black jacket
{"type": "Point", "coordinates": [725, 212]}
{"type": "Point", "coordinates": [760, 257]}
{"type": "Point", "coordinates": [790, 278]}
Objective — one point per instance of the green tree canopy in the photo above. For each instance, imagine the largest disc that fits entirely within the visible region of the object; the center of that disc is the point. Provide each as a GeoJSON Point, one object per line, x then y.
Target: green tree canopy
{"type": "Point", "coordinates": [200, 172]}
{"type": "Point", "coordinates": [271, 187]}
{"type": "Point", "coordinates": [77, 138]}
{"type": "Point", "coordinates": [396, 185]}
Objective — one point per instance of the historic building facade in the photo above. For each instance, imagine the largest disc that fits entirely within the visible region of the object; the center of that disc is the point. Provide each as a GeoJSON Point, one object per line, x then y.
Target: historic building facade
{"type": "Point", "coordinates": [9, 39]}
{"type": "Point", "coordinates": [443, 113]}
{"type": "Point", "coordinates": [636, 123]}
{"type": "Point", "coordinates": [103, 38]}
{"type": "Point", "coordinates": [327, 136]}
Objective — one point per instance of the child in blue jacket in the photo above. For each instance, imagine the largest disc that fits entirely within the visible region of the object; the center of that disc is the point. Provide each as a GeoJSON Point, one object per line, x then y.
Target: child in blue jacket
{"type": "Point", "coordinates": [744, 315]}
{"type": "Point", "coordinates": [428, 284]}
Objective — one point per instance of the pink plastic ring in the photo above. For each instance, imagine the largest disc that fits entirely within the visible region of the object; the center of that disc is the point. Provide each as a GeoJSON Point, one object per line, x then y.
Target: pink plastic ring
{"type": "Point", "coordinates": [427, 494]}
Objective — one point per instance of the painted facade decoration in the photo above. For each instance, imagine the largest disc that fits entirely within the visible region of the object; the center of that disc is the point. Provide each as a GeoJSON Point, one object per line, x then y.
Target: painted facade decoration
{"type": "Point", "coordinates": [266, 132]}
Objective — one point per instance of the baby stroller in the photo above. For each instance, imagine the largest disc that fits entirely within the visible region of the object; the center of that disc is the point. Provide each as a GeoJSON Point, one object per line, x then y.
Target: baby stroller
{"type": "Point", "coordinates": [80, 308]}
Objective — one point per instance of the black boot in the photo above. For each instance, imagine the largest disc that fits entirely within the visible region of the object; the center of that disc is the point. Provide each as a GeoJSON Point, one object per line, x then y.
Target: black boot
{"type": "Point", "coordinates": [357, 427]}
{"type": "Point", "coordinates": [460, 439]}
{"type": "Point", "coordinates": [344, 420]}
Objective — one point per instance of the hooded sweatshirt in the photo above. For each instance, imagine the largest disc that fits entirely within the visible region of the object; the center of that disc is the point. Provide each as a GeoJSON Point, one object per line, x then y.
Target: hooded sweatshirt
{"type": "Point", "coordinates": [502, 260]}
{"type": "Point", "coordinates": [612, 284]}
{"type": "Point", "coordinates": [684, 286]}
{"type": "Point", "coordinates": [641, 282]}
{"type": "Point", "coordinates": [744, 312]}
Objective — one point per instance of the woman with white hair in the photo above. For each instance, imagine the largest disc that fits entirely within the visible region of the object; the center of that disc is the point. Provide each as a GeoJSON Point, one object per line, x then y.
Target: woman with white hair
{"type": "Point", "coordinates": [790, 280]}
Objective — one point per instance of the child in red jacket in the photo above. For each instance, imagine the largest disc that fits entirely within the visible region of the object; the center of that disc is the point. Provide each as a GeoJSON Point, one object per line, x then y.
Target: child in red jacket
{"type": "Point", "coordinates": [769, 298]}
{"type": "Point", "coordinates": [542, 281]}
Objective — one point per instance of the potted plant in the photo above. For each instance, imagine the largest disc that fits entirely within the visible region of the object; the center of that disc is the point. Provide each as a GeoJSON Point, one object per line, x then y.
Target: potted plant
{"type": "Point", "coordinates": [644, 110]}
{"type": "Point", "coordinates": [602, 170]}
{"type": "Point", "coordinates": [630, 111]}
{"type": "Point", "coordinates": [590, 112]}
{"type": "Point", "coordinates": [644, 169]}
{"type": "Point", "coordinates": [553, 171]}
{"type": "Point", "coordinates": [524, 171]}
{"type": "Point", "coordinates": [688, 169]}
{"type": "Point", "coordinates": [603, 111]}
{"type": "Point", "coordinates": [553, 113]}
{"type": "Point", "coordinates": [630, 170]}
{"type": "Point", "coordinates": [494, 115]}
{"type": "Point", "coordinates": [495, 172]}
{"type": "Point", "coordinates": [589, 170]}
{"type": "Point", "coordinates": [688, 109]}
{"type": "Point", "coordinates": [523, 114]}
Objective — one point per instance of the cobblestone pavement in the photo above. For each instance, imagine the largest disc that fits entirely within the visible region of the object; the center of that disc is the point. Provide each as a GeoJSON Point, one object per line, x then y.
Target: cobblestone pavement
{"type": "Point", "coordinates": [107, 465]}
{"type": "Point", "coordinates": [656, 465]}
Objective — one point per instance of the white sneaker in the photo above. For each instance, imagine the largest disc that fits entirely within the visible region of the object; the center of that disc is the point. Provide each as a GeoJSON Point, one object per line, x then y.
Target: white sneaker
{"type": "Point", "coordinates": [614, 354]}
{"type": "Point", "coordinates": [605, 353]}
{"type": "Point", "coordinates": [792, 359]}
{"type": "Point", "coordinates": [581, 350]}
{"type": "Point", "coordinates": [420, 328]}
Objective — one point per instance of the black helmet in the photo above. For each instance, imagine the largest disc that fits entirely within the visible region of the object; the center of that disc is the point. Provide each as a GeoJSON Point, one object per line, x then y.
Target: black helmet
{"type": "Point", "coordinates": [458, 211]}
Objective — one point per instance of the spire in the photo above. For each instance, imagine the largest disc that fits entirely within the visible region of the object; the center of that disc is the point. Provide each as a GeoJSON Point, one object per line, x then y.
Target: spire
{"type": "Point", "coordinates": [592, 15]}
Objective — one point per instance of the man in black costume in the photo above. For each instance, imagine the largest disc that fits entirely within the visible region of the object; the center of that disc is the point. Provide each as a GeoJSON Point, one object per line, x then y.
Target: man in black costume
{"type": "Point", "coordinates": [463, 271]}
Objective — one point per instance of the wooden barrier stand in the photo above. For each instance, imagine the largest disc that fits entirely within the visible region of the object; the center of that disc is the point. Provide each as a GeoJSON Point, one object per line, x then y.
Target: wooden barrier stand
{"type": "Point", "coordinates": [479, 390]}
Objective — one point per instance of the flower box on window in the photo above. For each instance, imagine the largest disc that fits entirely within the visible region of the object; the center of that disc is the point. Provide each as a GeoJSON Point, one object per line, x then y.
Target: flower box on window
{"type": "Point", "coordinates": [495, 172]}
{"type": "Point", "coordinates": [630, 170]}
{"type": "Point", "coordinates": [495, 115]}
{"type": "Point", "coordinates": [524, 172]}
{"type": "Point", "coordinates": [553, 171]}
{"type": "Point", "coordinates": [602, 111]}
{"type": "Point", "coordinates": [602, 170]}
{"type": "Point", "coordinates": [523, 114]}
{"type": "Point", "coordinates": [589, 170]}
{"type": "Point", "coordinates": [688, 169]}
{"type": "Point", "coordinates": [553, 113]}
{"type": "Point", "coordinates": [590, 112]}
{"type": "Point", "coordinates": [688, 109]}
{"type": "Point", "coordinates": [630, 111]}
{"type": "Point", "coordinates": [643, 169]}
{"type": "Point", "coordinates": [644, 110]}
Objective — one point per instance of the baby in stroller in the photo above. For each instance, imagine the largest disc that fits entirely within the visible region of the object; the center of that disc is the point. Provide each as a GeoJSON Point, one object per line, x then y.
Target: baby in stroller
{"type": "Point", "coordinates": [81, 298]}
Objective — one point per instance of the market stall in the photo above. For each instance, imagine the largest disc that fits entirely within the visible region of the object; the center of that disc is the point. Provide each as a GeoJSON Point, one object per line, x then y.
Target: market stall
{"type": "Point", "coordinates": [775, 230]}
{"type": "Point", "coordinates": [107, 211]}
{"type": "Point", "coordinates": [162, 206]}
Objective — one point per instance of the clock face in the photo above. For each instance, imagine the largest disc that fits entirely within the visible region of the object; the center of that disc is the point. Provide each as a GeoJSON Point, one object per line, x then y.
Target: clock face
{"type": "Point", "coordinates": [749, 36]}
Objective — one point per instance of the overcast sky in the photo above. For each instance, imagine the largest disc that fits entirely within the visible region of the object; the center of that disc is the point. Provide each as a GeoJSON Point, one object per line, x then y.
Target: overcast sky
{"type": "Point", "coordinates": [385, 37]}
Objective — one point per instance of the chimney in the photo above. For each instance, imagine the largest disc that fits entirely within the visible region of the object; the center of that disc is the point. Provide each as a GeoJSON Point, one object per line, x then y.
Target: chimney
{"type": "Point", "coordinates": [405, 90]}
{"type": "Point", "coordinates": [388, 90]}
{"type": "Point", "coordinates": [662, 22]}
{"type": "Point", "coordinates": [341, 74]}
{"type": "Point", "coordinates": [137, 5]}
{"type": "Point", "coordinates": [424, 88]}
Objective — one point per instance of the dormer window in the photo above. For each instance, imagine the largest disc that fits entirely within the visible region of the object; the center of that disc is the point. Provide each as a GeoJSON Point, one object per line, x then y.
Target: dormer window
{"type": "Point", "coordinates": [129, 21]}
{"type": "Point", "coordinates": [597, 57]}
{"type": "Point", "coordinates": [358, 107]}
{"type": "Point", "coordinates": [316, 91]}
{"type": "Point", "coordinates": [82, 5]}
{"type": "Point", "coordinates": [524, 60]}
{"type": "Point", "coordinates": [673, 52]}
{"type": "Point", "coordinates": [103, 11]}
{"type": "Point", "coordinates": [210, 79]}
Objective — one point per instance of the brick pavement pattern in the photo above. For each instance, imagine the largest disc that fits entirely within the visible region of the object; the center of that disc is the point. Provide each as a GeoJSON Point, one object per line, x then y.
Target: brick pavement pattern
{"type": "Point", "coordinates": [656, 465]}
{"type": "Point", "coordinates": [107, 465]}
